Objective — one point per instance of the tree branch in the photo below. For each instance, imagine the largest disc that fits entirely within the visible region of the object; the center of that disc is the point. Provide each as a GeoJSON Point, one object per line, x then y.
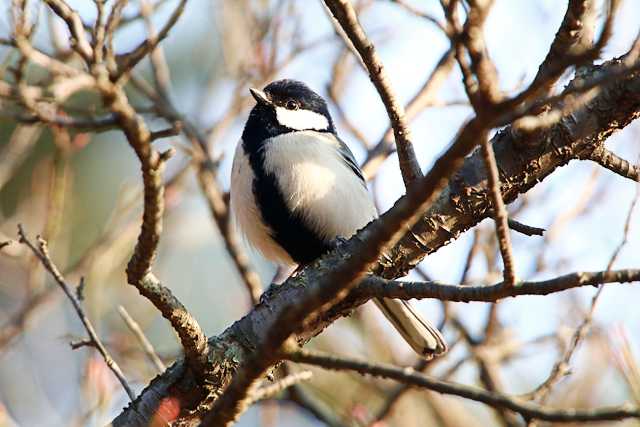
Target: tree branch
{"type": "Point", "coordinates": [408, 376]}
{"type": "Point", "coordinates": [129, 60]}
{"type": "Point", "coordinates": [79, 38]}
{"type": "Point", "coordinates": [271, 390]}
{"type": "Point", "coordinates": [614, 163]}
{"type": "Point", "coordinates": [343, 12]}
{"type": "Point", "coordinates": [378, 287]}
{"type": "Point", "coordinates": [42, 253]}
{"type": "Point", "coordinates": [139, 274]}
{"type": "Point", "coordinates": [146, 345]}
{"type": "Point", "coordinates": [500, 215]}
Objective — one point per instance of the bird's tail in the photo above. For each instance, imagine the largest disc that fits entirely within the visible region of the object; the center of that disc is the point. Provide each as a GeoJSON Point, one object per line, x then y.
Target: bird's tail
{"type": "Point", "coordinates": [419, 333]}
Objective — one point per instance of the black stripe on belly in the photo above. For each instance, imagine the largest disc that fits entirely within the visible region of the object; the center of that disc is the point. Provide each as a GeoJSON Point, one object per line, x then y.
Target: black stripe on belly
{"type": "Point", "coordinates": [288, 228]}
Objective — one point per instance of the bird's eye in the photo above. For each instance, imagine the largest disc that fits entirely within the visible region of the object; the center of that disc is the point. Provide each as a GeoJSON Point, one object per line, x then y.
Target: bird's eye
{"type": "Point", "coordinates": [292, 105]}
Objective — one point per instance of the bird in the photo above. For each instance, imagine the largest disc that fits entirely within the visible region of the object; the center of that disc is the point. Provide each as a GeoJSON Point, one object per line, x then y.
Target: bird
{"type": "Point", "coordinates": [296, 189]}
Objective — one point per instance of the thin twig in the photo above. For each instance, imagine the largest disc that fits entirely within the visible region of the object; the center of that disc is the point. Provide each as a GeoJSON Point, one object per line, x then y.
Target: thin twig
{"type": "Point", "coordinates": [142, 339]}
{"type": "Point", "coordinates": [424, 97]}
{"type": "Point", "coordinates": [129, 60]}
{"type": "Point", "coordinates": [525, 229]}
{"type": "Point", "coordinates": [500, 215]}
{"type": "Point", "coordinates": [271, 390]}
{"type": "Point", "coordinates": [79, 40]}
{"type": "Point", "coordinates": [562, 367]}
{"type": "Point", "coordinates": [395, 396]}
{"type": "Point", "coordinates": [42, 253]}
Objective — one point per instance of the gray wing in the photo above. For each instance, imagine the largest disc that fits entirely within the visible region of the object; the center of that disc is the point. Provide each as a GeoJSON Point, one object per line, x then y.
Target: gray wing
{"type": "Point", "coordinates": [349, 159]}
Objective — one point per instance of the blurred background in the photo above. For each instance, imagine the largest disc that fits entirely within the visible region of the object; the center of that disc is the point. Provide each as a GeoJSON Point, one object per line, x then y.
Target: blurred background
{"type": "Point", "coordinates": [81, 191]}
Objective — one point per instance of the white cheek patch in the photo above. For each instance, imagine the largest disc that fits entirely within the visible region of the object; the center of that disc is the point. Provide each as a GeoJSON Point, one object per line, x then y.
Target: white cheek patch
{"type": "Point", "coordinates": [301, 119]}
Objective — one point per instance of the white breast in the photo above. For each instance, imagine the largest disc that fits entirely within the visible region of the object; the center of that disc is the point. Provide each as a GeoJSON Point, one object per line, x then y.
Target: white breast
{"type": "Point", "coordinates": [318, 184]}
{"type": "Point", "coordinates": [245, 210]}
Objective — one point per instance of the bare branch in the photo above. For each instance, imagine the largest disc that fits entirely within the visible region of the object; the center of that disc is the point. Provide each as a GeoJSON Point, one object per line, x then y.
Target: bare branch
{"type": "Point", "coordinates": [142, 339]}
{"type": "Point", "coordinates": [325, 288]}
{"type": "Point", "coordinates": [376, 287]}
{"type": "Point", "coordinates": [424, 98]}
{"type": "Point", "coordinates": [561, 367]}
{"type": "Point", "coordinates": [525, 229]}
{"type": "Point", "coordinates": [76, 27]}
{"type": "Point", "coordinates": [614, 163]}
{"type": "Point", "coordinates": [129, 60]}
{"type": "Point", "coordinates": [455, 211]}
{"type": "Point", "coordinates": [408, 376]}
{"type": "Point", "coordinates": [220, 211]}
{"type": "Point", "coordinates": [271, 390]}
{"type": "Point", "coordinates": [158, 62]}
{"type": "Point", "coordinates": [500, 215]}
{"type": "Point", "coordinates": [343, 12]}
{"type": "Point", "coordinates": [397, 394]}
{"type": "Point", "coordinates": [139, 274]}
{"type": "Point", "coordinates": [42, 253]}
{"type": "Point", "coordinates": [574, 37]}
{"type": "Point", "coordinates": [553, 68]}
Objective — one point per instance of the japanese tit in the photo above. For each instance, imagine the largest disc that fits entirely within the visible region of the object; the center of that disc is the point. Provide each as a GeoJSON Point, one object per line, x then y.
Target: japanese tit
{"type": "Point", "coordinates": [296, 187]}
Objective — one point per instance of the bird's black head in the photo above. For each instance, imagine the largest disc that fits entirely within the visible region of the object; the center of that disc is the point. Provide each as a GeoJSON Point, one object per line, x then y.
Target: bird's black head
{"type": "Point", "coordinates": [286, 106]}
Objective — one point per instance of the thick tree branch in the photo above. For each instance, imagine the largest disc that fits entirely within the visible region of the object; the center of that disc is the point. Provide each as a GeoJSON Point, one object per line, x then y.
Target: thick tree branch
{"type": "Point", "coordinates": [330, 287]}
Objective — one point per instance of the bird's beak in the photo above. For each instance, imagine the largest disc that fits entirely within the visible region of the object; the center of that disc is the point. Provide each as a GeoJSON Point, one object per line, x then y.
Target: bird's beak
{"type": "Point", "coordinates": [259, 96]}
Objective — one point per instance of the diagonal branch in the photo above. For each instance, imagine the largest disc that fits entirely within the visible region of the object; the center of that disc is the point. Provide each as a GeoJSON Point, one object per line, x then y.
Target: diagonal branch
{"type": "Point", "coordinates": [343, 12]}
{"type": "Point", "coordinates": [614, 163]}
{"type": "Point", "coordinates": [574, 37]}
{"type": "Point", "coordinates": [562, 367]}
{"type": "Point", "coordinates": [424, 97]}
{"type": "Point", "coordinates": [42, 253]}
{"type": "Point", "coordinates": [74, 23]}
{"type": "Point", "coordinates": [142, 339]}
{"type": "Point", "coordinates": [129, 60]}
{"type": "Point", "coordinates": [271, 390]}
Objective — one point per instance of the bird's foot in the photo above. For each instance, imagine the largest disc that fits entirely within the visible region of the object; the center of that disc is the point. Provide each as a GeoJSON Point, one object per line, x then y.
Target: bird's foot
{"type": "Point", "coordinates": [268, 293]}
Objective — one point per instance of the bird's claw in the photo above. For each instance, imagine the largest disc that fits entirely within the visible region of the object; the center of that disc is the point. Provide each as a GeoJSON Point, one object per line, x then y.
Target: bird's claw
{"type": "Point", "coordinates": [268, 293]}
